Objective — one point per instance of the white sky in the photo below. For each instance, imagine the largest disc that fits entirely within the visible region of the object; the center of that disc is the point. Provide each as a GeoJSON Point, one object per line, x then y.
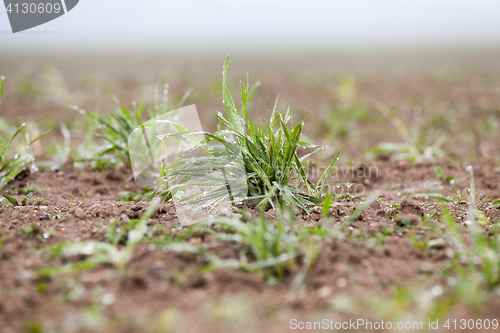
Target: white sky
{"type": "Point", "coordinates": [198, 25]}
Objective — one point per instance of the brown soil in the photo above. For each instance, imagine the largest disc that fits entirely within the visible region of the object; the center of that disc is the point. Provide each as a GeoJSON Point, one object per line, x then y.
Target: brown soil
{"type": "Point", "coordinates": [156, 281]}
{"type": "Point", "coordinates": [167, 291]}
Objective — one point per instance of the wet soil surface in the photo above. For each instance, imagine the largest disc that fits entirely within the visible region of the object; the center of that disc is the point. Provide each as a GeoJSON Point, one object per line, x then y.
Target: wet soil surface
{"type": "Point", "coordinates": [169, 291]}
{"type": "Point", "coordinates": [158, 283]}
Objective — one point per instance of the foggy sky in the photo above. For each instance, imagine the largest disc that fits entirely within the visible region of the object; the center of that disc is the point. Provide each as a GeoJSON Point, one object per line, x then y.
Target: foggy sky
{"type": "Point", "coordinates": [194, 25]}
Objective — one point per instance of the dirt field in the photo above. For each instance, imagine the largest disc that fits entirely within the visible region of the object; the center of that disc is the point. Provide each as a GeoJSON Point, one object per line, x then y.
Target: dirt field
{"type": "Point", "coordinates": [394, 261]}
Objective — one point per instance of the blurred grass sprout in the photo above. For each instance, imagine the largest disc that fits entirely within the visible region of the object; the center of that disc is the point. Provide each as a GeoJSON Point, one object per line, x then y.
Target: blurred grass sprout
{"type": "Point", "coordinates": [415, 147]}
{"type": "Point", "coordinates": [348, 111]}
{"type": "Point", "coordinates": [10, 201]}
{"type": "Point", "coordinates": [476, 262]}
{"type": "Point", "coordinates": [114, 129]}
{"type": "Point", "coordinates": [101, 252]}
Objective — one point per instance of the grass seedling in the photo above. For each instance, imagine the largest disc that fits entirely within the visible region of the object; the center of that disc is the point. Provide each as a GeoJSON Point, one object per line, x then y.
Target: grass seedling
{"type": "Point", "coordinates": [262, 246]}
{"type": "Point", "coordinates": [426, 196]}
{"type": "Point", "coordinates": [101, 252]}
{"type": "Point", "coordinates": [10, 201]}
{"type": "Point", "coordinates": [348, 111]}
{"type": "Point", "coordinates": [84, 131]}
{"type": "Point", "coordinates": [495, 204]}
{"type": "Point", "coordinates": [439, 173]}
{"type": "Point", "coordinates": [117, 232]}
{"type": "Point", "coordinates": [132, 196]}
{"type": "Point", "coordinates": [477, 263]}
{"type": "Point", "coordinates": [420, 243]}
{"type": "Point", "coordinates": [267, 242]}
{"type": "Point", "coordinates": [9, 167]}
{"type": "Point", "coordinates": [31, 188]}
{"type": "Point", "coordinates": [115, 130]}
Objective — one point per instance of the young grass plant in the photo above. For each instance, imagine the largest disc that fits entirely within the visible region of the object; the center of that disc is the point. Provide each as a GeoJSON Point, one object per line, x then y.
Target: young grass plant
{"type": "Point", "coordinates": [268, 247]}
{"type": "Point", "coordinates": [263, 246]}
{"type": "Point", "coordinates": [271, 244]}
{"type": "Point", "coordinates": [61, 150]}
{"type": "Point", "coordinates": [101, 252]}
{"type": "Point", "coordinates": [12, 164]}
{"type": "Point", "coordinates": [10, 201]}
{"type": "Point", "coordinates": [477, 264]}
{"type": "Point", "coordinates": [115, 128]}
{"type": "Point", "coordinates": [349, 110]}
{"type": "Point", "coordinates": [274, 172]}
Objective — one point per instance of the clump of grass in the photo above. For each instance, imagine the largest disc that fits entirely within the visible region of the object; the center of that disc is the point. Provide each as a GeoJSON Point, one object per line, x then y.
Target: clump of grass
{"type": "Point", "coordinates": [114, 129]}
{"type": "Point", "coordinates": [102, 252]}
{"type": "Point", "coordinates": [274, 172]}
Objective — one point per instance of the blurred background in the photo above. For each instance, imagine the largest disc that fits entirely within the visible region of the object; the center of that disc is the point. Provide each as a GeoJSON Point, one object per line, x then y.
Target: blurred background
{"type": "Point", "coordinates": [223, 25]}
{"type": "Point", "coordinates": [328, 58]}
{"type": "Point", "coordinates": [111, 35]}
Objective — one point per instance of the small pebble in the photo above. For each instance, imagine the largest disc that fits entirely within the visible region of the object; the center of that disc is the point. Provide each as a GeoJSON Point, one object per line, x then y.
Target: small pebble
{"type": "Point", "coordinates": [195, 241]}
{"type": "Point", "coordinates": [325, 291]}
{"type": "Point", "coordinates": [341, 283]}
{"type": "Point", "coordinates": [136, 208]}
{"type": "Point", "coordinates": [79, 212]}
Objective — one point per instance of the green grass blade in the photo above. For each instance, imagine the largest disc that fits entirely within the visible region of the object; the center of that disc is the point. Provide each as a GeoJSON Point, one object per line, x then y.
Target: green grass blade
{"type": "Point", "coordinates": [26, 199]}
{"type": "Point", "coordinates": [324, 177]}
{"type": "Point", "coordinates": [2, 81]}
{"type": "Point", "coordinates": [39, 201]}
{"type": "Point", "coordinates": [11, 199]}
{"type": "Point", "coordinates": [231, 110]}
